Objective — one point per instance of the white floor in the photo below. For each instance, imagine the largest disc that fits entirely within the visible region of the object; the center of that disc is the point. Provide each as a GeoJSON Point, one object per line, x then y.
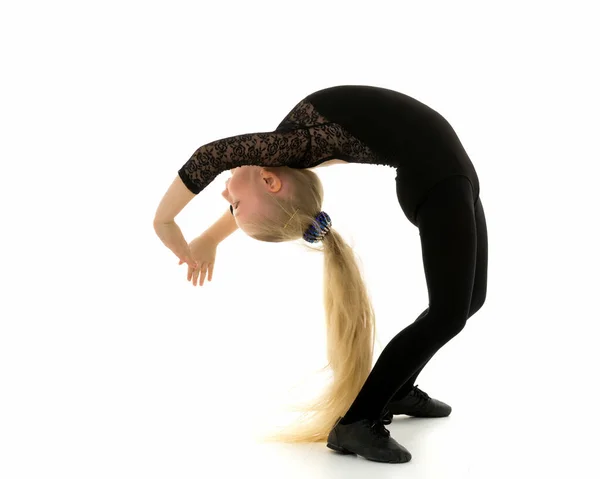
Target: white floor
{"type": "Point", "coordinates": [441, 447]}
{"type": "Point", "coordinates": [127, 398]}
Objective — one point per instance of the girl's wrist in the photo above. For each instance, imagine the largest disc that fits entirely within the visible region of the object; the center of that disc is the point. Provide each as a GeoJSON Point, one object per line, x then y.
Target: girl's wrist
{"type": "Point", "coordinates": [222, 228]}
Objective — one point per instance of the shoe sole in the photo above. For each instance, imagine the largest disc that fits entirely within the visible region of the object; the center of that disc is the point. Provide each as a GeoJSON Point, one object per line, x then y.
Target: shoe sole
{"type": "Point", "coordinates": [345, 451]}
{"type": "Point", "coordinates": [339, 449]}
{"type": "Point", "coordinates": [416, 414]}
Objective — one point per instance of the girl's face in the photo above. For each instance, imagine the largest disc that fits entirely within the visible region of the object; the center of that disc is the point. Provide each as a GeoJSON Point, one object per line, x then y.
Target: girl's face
{"type": "Point", "coordinates": [236, 187]}
{"type": "Point", "coordinates": [243, 190]}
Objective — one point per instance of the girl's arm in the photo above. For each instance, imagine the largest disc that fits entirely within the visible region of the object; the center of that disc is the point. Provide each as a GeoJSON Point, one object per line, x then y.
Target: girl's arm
{"type": "Point", "coordinates": [222, 228]}
{"type": "Point", "coordinates": [177, 196]}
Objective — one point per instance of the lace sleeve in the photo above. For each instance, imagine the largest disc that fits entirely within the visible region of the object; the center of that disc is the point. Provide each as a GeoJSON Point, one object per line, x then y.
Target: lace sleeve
{"type": "Point", "coordinates": [304, 139]}
{"type": "Point", "coordinates": [328, 139]}
{"type": "Point", "coordinates": [278, 148]}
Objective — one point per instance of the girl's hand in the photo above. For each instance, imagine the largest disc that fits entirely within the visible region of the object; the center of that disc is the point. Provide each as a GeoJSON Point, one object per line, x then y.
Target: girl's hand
{"type": "Point", "coordinates": [171, 236]}
{"type": "Point", "coordinates": [203, 251]}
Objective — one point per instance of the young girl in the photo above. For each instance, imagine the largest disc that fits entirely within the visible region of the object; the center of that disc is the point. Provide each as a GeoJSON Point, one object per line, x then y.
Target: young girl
{"type": "Point", "coordinates": [275, 196]}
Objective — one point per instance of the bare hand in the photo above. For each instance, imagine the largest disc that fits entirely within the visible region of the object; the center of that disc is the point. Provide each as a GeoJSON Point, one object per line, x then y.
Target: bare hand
{"type": "Point", "coordinates": [171, 236]}
{"type": "Point", "coordinates": [203, 251]}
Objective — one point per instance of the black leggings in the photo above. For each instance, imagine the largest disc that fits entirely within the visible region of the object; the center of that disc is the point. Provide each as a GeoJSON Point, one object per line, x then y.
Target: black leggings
{"type": "Point", "coordinates": [454, 245]}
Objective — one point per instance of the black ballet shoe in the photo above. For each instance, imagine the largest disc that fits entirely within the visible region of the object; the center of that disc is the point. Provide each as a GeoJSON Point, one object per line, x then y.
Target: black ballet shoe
{"type": "Point", "coordinates": [418, 404]}
{"type": "Point", "coordinates": [369, 439]}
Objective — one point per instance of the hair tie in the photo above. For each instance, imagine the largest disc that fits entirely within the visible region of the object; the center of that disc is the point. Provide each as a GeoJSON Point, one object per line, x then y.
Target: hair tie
{"type": "Point", "coordinates": [319, 229]}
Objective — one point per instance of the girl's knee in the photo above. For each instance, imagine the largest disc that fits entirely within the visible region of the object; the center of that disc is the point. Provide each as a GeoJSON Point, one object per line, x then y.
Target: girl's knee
{"type": "Point", "coordinates": [445, 323]}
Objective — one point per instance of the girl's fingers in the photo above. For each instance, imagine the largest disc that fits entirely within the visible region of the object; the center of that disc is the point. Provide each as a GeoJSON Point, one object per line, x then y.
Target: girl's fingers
{"type": "Point", "coordinates": [200, 272]}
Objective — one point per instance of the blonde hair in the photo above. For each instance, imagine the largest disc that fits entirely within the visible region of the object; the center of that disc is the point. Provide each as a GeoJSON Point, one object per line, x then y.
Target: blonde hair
{"type": "Point", "coordinates": [349, 315]}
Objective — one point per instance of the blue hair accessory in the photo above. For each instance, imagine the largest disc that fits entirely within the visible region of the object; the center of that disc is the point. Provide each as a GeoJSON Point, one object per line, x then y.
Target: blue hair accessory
{"type": "Point", "coordinates": [319, 229]}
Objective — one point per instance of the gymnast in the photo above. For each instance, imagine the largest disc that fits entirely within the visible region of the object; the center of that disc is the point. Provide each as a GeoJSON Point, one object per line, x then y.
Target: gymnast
{"type": "Point", "coordinates": [274, 195]}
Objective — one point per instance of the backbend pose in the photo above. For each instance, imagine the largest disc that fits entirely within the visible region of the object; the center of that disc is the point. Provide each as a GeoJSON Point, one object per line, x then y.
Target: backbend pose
{"type": "Point", "coordinates": [274, 196]}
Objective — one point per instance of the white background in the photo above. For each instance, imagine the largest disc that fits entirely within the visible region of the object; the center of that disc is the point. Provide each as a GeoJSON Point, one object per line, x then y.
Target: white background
{"type": "Point", "coordinates": [113, 365]}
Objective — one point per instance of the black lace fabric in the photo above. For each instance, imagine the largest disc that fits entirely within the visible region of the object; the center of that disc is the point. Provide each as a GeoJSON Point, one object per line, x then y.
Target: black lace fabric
{"type": "Point", "coordinates": [304, 139]}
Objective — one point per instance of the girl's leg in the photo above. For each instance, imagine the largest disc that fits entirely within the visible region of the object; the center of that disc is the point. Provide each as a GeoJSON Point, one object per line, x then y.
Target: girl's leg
{"type": "Point", "coordinates": [479, 288]}
{"type": "Point", "coordinates": [447, 227]}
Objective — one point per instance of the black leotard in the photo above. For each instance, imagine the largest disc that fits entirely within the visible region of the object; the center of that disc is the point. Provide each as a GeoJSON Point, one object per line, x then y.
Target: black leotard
{"type": "Point", "coordinates": [355, 123]}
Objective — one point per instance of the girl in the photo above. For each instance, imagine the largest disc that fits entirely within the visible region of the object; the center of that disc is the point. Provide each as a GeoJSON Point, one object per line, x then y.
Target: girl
{"type": "Point", "coordinates": [275, 196]}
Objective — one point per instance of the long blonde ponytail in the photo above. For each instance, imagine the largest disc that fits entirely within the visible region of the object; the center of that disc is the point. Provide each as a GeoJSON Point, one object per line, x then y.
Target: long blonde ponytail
{"type": "Point", "coordinates": [349, 315]}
